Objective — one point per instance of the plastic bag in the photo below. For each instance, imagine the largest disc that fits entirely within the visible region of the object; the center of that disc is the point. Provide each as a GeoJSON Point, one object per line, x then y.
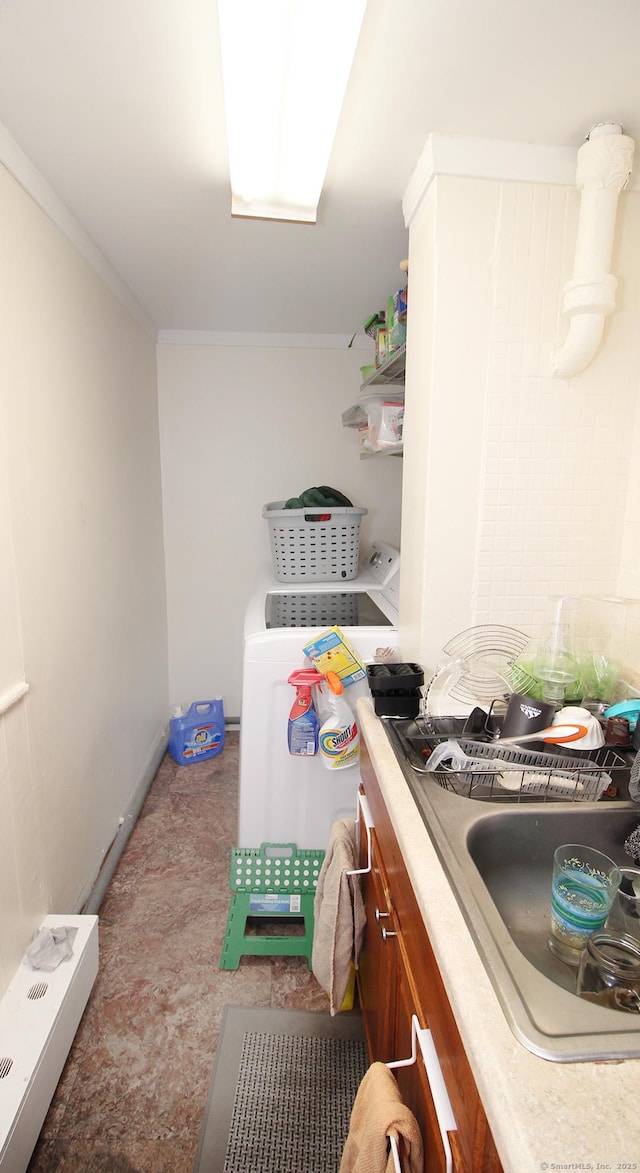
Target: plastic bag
{"type": "Point", "coordinates": [384, 431]}
{"type": "Point", "coordinates": [50, 947]}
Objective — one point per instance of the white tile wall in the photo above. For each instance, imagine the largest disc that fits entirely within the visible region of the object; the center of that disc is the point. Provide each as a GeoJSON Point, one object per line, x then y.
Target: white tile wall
{"type": "Point", "coordinates": [556, 453]}
{"type": "Point", "coordinates": [558, 490]}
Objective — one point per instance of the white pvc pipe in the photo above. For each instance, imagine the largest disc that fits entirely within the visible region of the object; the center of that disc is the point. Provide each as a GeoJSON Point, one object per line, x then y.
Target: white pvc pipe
{"type": "Point", "coordinates": [12, 696]}
{"type": "Point", "coordinates": [603, 168]}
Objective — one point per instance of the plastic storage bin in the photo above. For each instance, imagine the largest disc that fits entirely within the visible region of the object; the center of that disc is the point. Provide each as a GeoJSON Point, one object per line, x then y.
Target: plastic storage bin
{"type": "Point", "coordinates": [396, 689]}
{"type": "Point", "coordinates": [312, 544]}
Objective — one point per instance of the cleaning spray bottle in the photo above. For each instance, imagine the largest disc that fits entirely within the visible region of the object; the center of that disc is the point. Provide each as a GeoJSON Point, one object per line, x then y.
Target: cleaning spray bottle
{"type": "Point", "coordinates": [339, 736]}
{"type": "Point", "coordinates": [303, 727]}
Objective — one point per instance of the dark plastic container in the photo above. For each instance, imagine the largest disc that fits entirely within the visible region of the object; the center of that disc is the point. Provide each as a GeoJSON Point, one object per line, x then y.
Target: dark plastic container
{"type": "Point", "coordinates": [394, 678]}
{"type": "Point", "coordinates": [405, 705]}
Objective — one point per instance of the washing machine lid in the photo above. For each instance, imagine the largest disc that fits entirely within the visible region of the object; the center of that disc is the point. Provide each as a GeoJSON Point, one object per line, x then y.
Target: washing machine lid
{"type": "Point", "coordinates": [324, 609]}
{"type": "Point", "coordinates": [378, 581]}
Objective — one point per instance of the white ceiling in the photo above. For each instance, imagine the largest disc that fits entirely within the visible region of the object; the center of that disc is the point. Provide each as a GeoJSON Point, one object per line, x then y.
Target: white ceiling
{"type": "Point", "coordinates": [118, 104]}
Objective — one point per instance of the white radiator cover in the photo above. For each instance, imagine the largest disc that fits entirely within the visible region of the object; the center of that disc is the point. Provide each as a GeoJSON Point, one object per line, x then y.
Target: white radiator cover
{"type": "Point", "coordinates": [39, 1016]}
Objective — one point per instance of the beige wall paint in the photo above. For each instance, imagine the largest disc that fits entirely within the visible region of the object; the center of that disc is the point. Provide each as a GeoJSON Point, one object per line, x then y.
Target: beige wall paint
{"type": "Point", "coordinates": [529, 482]}
{"type": "Point", "coordinates": [241, 426]}
{"type": "Point", "coordinates": [446, 370]}
{"type": "Point", "coordinates": [82, 595]}
{"type": "Point", "coordinates": [23, 885]}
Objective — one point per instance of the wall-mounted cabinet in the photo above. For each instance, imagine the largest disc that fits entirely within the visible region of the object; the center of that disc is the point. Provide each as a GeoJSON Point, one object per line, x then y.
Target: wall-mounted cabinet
{"type": "Point", "coordinates": [378, 413]}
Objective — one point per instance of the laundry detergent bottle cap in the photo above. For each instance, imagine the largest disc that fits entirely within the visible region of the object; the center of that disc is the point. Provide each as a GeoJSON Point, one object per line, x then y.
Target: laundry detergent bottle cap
{"type": "Point", "coordinates": [339, 737]}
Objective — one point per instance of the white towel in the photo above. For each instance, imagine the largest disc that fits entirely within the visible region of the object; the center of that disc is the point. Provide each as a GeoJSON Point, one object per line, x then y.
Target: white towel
{"type": "Point", "coordinates": [339, 915]}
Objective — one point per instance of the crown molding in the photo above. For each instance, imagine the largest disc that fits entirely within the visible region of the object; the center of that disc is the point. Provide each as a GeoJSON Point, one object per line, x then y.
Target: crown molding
{"type": "Point", "coordinates": [272, 341]}
{"type": "Point", "coordinates": [477, 158]}
{"type": "Point", "coordinates": [36, 186]}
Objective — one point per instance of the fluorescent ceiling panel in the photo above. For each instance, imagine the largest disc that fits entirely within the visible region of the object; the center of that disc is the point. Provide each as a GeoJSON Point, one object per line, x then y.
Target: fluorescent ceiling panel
{"type": "Point", "coordinates": [285, 68]}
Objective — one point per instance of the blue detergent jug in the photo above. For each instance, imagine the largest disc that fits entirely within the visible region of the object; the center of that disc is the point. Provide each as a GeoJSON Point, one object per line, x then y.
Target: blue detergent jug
{"type": "Point", "coordinates": [197, 734]}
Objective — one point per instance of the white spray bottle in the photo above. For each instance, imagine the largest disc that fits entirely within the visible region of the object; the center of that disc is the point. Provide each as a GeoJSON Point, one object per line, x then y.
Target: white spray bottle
{"type": "Point", "coordinates": [339, 739]}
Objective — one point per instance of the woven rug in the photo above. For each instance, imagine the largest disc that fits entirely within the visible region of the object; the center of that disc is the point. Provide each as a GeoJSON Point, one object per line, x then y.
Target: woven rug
{"type": "Point", "coordinates": [282, 1090]}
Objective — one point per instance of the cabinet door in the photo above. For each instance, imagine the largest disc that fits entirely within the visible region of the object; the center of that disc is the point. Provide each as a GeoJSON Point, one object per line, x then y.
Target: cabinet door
{"type": "Point", "coordinates": [376, 966]}
{"type": "Point", "coordinates": [418, 989]}
{"type": "Point", "coordinates": [414, 1084]}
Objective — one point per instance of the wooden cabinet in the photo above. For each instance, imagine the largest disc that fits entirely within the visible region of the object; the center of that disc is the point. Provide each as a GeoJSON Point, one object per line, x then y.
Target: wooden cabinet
{"type": "Point", "coordinates": [377, 965]}
{"type": "Point", "coordinates": [399, 979]}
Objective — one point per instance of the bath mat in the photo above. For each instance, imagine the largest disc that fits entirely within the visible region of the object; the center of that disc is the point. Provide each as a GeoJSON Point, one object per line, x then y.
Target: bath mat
{"type": "Point", "coordinates": [282, 1090]}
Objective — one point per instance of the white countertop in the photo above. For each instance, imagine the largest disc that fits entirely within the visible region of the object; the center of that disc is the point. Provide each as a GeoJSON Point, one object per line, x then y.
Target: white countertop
{"type": "Point", "coordinates": [543, 1115]}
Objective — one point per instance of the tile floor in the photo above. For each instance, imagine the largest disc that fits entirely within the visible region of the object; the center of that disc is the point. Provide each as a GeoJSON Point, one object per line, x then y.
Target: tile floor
{"type": "Point", "coordinates": [132, 1095]}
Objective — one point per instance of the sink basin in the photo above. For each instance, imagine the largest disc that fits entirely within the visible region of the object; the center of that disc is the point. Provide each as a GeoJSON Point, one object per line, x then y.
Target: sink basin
{"type": "Point", "coordinates": [498, 859]}
{"type": "Point", "coordinates": [513, 853]}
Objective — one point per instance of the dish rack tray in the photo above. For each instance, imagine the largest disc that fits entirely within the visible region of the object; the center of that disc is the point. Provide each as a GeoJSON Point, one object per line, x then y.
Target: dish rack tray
{"type": "Point", "coordinates": [508, 774]}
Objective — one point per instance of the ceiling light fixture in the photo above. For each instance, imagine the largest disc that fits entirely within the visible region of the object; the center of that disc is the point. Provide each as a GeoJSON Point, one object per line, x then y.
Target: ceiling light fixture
{"type": "Point", "coordinates": [285, 68]}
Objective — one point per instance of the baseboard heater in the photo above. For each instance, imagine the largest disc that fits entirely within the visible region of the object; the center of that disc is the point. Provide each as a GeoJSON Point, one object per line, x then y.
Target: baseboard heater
{"type": "Point", "coordinates": [39, 1016]}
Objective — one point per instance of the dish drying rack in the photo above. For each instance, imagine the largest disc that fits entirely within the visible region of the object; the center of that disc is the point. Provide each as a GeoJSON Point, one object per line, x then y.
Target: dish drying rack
{"type": "Point", "coordinates": [510, 774]}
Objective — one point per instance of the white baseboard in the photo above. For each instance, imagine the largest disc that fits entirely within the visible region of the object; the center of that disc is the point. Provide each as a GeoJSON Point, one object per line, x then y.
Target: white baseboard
{"type": "Point", "coordinates": [39, 1016]}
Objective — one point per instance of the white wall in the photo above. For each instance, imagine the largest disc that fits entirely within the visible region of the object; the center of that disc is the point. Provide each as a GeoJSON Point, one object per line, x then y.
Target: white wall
{"type": "Point", "coordinates": [82, 596]}
{"type": "Point", "coordinates": [241, 426]}
{"type": "Point", "coordinates": [518, 485]}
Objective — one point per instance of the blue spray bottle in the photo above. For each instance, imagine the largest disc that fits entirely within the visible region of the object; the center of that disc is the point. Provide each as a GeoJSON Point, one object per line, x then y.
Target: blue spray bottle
{"type": "Point", "coordinates": [303, 727]}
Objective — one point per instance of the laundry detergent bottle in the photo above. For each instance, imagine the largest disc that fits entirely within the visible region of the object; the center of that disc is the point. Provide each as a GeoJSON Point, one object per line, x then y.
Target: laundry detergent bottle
{"type": "Point", "coordinates": [339, 736]}
{"type": "Point", "coordinates": [197, 734]}
{"type": "Point", "coordinates": [303, 727]}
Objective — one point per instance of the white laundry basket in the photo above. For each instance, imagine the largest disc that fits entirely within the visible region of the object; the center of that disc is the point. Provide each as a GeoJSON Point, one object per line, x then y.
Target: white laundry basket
{"type": "Point", "coordinates": [305, 548]}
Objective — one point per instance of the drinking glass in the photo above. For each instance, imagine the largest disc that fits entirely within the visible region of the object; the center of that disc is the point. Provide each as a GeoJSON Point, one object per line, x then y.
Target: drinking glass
{"type": "Point", "coordinates": [609, 971]}
{"type": "Point", "coordinates": [583, 889]}
{"type": "Point", "coordinates": [624, 917]}
{"type": "Point", "coordinates": [556, 665]}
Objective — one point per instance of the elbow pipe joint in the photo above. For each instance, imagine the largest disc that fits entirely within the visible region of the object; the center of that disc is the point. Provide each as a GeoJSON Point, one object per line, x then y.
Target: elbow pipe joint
{"type": "Point", "coordinates": [580, 345]}
{"type": "Point", "coordinates": [603, 168]}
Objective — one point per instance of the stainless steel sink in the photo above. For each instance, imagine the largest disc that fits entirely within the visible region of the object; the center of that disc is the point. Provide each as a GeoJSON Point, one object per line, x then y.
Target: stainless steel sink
{"type": "Point", "coordinates": [498, 859]}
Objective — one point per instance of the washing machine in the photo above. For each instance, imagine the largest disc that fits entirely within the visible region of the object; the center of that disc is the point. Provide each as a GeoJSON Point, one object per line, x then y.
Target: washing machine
{"type": "Point", "coordinates": [287, 799]}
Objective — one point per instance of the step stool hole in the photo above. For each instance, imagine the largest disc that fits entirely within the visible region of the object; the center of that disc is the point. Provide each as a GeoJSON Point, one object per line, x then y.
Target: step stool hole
{"type": "Point", "coordinates": [267, 926]}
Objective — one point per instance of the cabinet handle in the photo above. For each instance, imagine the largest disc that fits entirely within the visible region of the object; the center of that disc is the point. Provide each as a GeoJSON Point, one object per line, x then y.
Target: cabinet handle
{"type": "Point", "coordinates": [387, 933]}
{"type": "Point", "coordinates": [381, 915]}
{"type": "Point", "coordinates": [422, 1038]}
{"type": "Point", "coordinates": [363, 806]}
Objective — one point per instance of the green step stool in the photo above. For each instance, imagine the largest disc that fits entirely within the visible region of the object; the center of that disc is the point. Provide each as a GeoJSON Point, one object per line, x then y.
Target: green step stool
{"type": "Point", "coordinates": [272, 881]}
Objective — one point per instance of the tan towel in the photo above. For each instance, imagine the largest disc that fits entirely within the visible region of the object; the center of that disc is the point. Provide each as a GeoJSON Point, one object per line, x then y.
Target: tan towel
{"type": "Point", "coordinates": [379, 1112]}
{"type": "Point", "coordinates": [338, 914]}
